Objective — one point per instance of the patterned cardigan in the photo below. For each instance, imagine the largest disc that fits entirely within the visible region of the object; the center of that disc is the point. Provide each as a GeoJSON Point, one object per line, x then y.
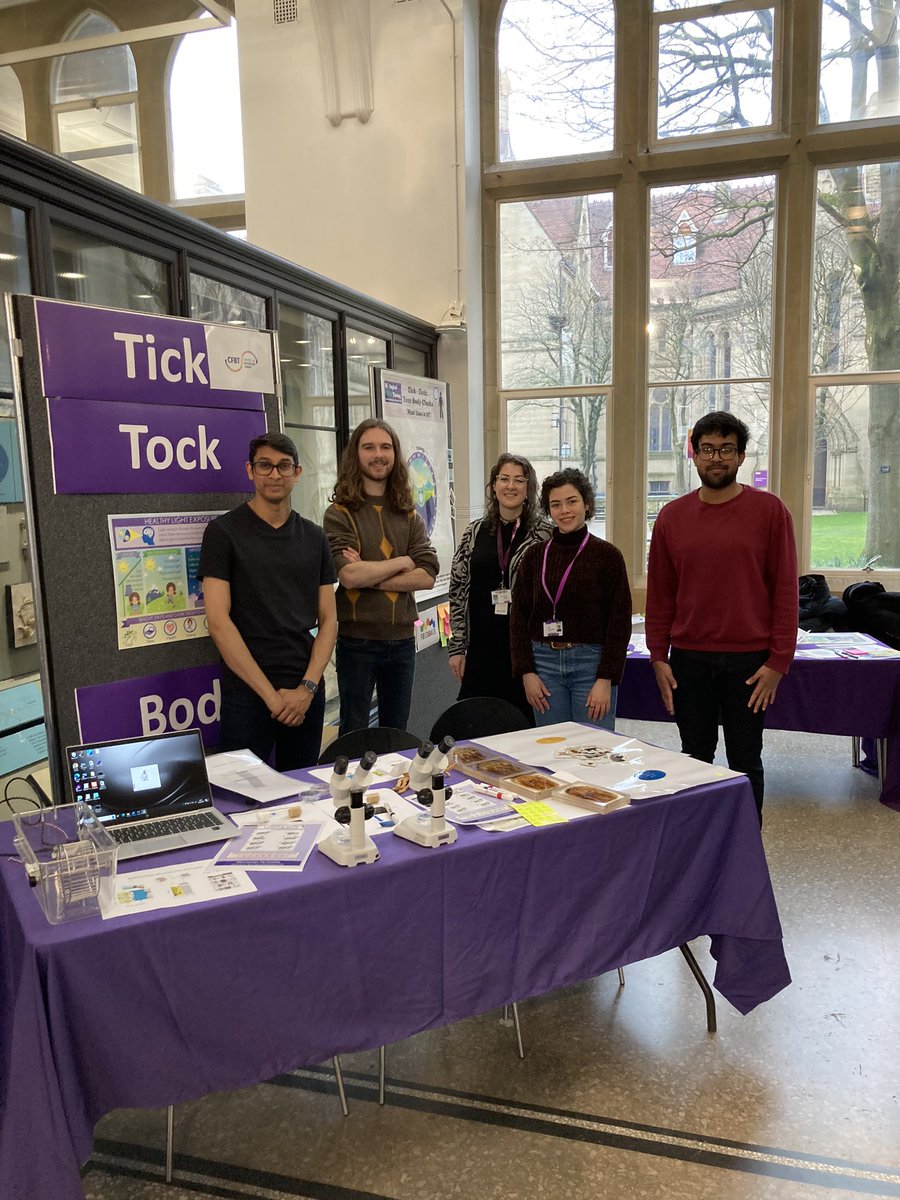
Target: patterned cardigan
{"type": "Point", "coordinates": [459, 578]}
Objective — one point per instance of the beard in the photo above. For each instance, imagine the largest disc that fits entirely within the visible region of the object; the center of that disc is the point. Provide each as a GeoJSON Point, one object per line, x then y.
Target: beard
{"type": "Point", "coordinates": [719, 480]}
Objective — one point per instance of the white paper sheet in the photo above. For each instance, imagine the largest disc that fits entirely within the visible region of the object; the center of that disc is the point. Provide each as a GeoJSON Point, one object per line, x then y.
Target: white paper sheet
{"type": "Point", "coordinates": [541, 747]}
{"type": "Point", "coordinates": [243, 772]}
{"type": "Point", "coordinates": [175, 887]}
{"type": "Point", "coordinates": [389, 766]}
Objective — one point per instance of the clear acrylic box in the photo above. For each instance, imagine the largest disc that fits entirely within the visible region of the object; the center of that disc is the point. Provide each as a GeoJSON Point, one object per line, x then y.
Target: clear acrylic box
{"type": "Point", "coordinates": [70, 860]}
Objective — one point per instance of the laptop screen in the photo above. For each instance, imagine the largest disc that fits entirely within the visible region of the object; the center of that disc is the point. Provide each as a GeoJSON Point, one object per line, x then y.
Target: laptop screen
{"type": "Point", "coordinates": [137, 778]}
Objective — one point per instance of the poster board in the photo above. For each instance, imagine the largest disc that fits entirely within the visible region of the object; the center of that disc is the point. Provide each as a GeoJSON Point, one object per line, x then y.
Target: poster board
{"type": "Point", "coordinates": [419, 410]}
{"type": "Point", "coordinates": [122, 412]}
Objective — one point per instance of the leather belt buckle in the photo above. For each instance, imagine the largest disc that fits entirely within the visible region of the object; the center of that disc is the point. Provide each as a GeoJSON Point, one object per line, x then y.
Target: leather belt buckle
{"type": "Point", "coordinates": [561, 645]}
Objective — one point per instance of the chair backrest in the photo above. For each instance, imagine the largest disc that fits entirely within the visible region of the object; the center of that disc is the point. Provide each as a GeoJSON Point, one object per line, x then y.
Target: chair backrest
{"type": "Point", "coordinates": [479, 716]}
{"type": "Point", "coordinates": [383, 739]}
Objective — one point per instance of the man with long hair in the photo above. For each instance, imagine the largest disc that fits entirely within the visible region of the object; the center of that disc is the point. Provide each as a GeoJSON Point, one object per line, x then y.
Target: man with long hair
{"type": "Point", "coordinates": [382, 557]}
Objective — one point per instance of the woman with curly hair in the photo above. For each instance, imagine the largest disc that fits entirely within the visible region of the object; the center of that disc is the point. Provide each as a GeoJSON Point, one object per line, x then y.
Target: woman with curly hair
{"type": "Point", "coordinates": [571, 612]}
{"type": "Point", "coordinates": [481, 580]}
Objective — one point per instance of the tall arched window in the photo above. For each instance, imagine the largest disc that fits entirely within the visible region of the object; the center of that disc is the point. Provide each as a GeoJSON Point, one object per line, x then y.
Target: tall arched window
{"type": "Point", "coordinates": [93, 96]}
{"type": "Point", "coordinates": [557, 78]}
{"type": "Point", "coordinates": [205, 116]}
{"type": "Point", "coordinates": [12, 106]}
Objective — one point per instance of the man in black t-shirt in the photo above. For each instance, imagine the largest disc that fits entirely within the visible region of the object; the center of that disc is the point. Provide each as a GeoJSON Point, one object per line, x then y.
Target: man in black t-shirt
{"type": "Point", "coordinates": [268, 580]}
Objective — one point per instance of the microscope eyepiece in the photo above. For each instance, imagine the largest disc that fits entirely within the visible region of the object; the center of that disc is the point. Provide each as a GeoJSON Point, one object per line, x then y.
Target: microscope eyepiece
{"type": "Point", "coordinates": [425, 750]}
{"type": "Point", "coordinates": [368, 760]}
{"type": "Point", "coordinates": [446, 744]}
{"type": "Point", "coordinates": [341, 763]}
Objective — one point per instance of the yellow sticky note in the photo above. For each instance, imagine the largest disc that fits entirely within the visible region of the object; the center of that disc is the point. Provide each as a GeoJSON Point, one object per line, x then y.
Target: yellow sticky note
{"type": "Point", "coordinates": [538, 812]}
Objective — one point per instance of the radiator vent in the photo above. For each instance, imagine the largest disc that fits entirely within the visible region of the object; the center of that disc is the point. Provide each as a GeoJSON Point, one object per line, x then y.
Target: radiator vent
{"type": "Point", "coordinates": [284, 11]}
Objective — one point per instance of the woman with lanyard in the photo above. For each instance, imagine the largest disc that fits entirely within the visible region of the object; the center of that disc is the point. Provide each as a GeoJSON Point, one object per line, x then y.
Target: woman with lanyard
{"type": "Point", "coordinates": [571, 612]}
{"type": "Point", "coordinates": [481, 579]}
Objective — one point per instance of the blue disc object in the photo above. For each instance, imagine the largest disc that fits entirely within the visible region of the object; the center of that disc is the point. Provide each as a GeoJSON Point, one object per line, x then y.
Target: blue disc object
{"type": "Point", "coordinates": [651, 774]}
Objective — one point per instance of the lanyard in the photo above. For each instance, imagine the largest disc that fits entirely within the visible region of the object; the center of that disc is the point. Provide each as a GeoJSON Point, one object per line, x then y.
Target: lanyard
{"type": "Point", "coordinates": [554, 600]}
{"type": "Point", "coordinates": [503, 559]}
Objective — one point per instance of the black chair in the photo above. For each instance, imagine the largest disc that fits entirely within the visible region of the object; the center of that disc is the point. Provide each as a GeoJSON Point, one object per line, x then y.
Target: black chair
{"type": "Point", "coordinates": [383, 739]}
{"type": "Point", "coordinates": [479, 716]}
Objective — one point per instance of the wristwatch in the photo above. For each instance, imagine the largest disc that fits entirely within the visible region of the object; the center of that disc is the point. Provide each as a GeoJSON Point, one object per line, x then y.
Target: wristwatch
{"type": "Point", "coordinates": [309, 685]}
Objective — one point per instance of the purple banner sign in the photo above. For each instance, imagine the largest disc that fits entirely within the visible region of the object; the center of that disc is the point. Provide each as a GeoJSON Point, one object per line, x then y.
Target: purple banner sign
{"type": "Point", "coordinates": [188, 699]}
{"type": "Point", "coordinates": [122, 448]}
{"type": "Point", "coordinates": [108, 354]}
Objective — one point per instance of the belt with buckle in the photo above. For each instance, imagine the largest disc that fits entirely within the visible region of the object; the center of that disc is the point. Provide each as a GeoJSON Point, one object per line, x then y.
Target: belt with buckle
{"type": "Point", "coordinates": [561, 645]}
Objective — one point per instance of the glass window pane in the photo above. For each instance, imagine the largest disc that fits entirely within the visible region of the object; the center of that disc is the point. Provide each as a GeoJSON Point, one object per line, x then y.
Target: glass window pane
{"type": "Point", "coordinates": [409, 361]}
{"type": "Point", "coordinates": [205, 116]}
{"type": "Point", "coordinates": [363, 351]}
{"type": "Point", "coordinates": [562, 431]}
{"type": "Point", "coordinates": [855, 473]}
{"type": "Point", "coordinates": [858, 63]}
{"type": "Point", "coordinates": [855, 273]}
{"type": "Point", "coordinates": [106, 72]}
{"type": "Point", "coordinates": [856, 327]}
{"type": "Point", "coordinates": [673, 411]}
{"type": "Point", "coordinates": [307, 367]}
{"type": "Point", "coordinates": [556, 292]}
{"type": "Point", "coordinates": [12, 105]}
{"type": "Point", "coordinates": [715, 73]}
{"type": "Point", "coordinates": [557, 78]}
{"type": "Point", "coordinates": [711, 281]}
{"type": "Point", "coordinates": [97, 272]}
{"type": "Point", "coordinates": [104, 140]}
{"type": "Point", "coordinates": [317, 451]}
{"type": "Point", "coordinates": [224, 304]}
{"type": "Point", "coordinates": [15, 276]}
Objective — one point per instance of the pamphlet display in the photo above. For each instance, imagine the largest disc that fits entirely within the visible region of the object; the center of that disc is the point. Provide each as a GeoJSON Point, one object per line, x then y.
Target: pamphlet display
{"type": "Point", "coordinates": [155, 561]}
{"type": "Point", "coordinates": [418, 409]}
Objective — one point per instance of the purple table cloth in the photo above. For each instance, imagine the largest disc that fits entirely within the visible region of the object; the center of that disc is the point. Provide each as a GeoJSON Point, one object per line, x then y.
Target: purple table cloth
{"type": "Point", "coordinates": [850, 697]}
{"type": "Point", "coordinates": [163, 1007]}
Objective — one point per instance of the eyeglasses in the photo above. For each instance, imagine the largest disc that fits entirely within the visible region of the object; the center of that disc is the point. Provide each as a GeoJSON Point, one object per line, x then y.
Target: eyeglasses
{"type": "Point", "coordinates": [506, 480]}
{"type": "Point", "coordinates": [726, 453]}
{"type": "Point", "coordinates": [263, 467]}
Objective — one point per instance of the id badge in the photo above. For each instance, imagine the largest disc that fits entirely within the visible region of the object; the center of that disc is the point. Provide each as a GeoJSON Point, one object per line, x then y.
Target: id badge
{"type": "Point", "coordinates": [501, 595]}
{"type": "Point", "coordinates": [553, 629]}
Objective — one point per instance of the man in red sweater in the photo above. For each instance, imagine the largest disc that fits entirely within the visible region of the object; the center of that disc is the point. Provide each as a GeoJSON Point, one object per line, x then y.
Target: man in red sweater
{"type": "Point", "coordinates": [722, 603]}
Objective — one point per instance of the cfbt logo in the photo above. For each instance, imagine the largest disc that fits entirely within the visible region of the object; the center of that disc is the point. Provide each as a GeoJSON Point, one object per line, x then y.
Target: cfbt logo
{"type": "Point", "coordinates": [241, 362]}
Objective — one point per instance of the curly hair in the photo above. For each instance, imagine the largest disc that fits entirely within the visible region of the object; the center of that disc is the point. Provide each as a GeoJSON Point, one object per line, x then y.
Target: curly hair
{"type": "Point", "coordinates": [578, 480]}
{"type": "Point", "coordinates": [531, 514]}
{"type": "Point", "coordinates": [349, 489]}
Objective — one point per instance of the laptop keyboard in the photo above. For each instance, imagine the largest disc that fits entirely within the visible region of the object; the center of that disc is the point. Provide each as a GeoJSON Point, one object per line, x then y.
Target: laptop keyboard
{"type": "Point", "coordinates": [161, 828]}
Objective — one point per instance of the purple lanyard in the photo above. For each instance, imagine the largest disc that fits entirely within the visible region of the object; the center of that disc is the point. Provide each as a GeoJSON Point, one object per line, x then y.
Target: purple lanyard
{"type": "Point", "coordinates": [554, 600]}
{"type": "Point", "coordinates": [503, 559]}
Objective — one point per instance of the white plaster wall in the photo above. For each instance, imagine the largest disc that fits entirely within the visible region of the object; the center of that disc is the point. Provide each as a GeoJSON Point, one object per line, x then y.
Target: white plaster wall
{"type": "Point", "coordinates": [371, 205]}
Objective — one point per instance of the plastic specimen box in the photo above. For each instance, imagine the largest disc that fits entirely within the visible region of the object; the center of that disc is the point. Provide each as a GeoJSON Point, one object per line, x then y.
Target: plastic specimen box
{"type": "Point", "coordinates": [70, 860]}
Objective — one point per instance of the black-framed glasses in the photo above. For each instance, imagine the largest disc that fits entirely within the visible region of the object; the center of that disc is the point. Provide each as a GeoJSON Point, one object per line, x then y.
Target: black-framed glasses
{"type": "Point", "coordinates": [726, 453]}
{"type": "Point", "coordinates": [263, 467]}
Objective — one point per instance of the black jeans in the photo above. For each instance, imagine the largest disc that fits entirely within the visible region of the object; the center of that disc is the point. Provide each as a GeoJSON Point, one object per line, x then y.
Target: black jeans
{"type": "Point", "coordinates": [712, 691]}
{"type": "Point", "coordinates": [247, 722]}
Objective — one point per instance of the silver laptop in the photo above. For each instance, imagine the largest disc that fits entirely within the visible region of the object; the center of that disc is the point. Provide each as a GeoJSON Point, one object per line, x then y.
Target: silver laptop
{"type": "Point", "coordinates": [151, 793]}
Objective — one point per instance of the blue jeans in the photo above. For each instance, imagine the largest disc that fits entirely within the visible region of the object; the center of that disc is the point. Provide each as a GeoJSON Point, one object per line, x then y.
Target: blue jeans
{"type": "Point", "coordinates": [247, 722]}
{"type": "Point", "coordinates": [569, 675]}
{"type": "Point", "coordinates": [364, 664]}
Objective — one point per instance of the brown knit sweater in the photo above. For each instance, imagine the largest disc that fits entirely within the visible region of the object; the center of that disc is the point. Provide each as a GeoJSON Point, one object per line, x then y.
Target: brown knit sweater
{"type": "Point", "coordinates": [595, 606]}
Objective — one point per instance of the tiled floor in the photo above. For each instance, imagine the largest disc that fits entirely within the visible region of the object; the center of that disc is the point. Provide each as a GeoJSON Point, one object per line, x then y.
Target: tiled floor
{"type": "Point", "coordinates": [622, 1093]}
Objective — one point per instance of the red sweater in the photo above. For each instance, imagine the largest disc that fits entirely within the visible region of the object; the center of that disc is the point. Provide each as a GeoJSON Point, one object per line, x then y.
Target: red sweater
{"type": "Point", "coordinates": [723, 577]}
